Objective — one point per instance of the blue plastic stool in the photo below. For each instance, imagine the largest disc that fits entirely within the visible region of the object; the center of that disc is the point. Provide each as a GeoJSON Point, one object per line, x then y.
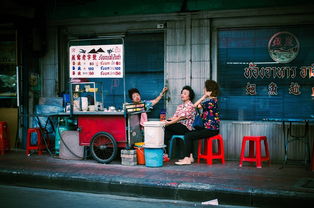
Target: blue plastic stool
{"type": "Point", "coordinates": [171, 143]}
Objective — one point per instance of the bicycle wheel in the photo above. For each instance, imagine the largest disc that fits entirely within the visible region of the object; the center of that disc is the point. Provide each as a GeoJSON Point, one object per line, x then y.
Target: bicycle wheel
{"type": "Point", "coordinates": [103, 147]}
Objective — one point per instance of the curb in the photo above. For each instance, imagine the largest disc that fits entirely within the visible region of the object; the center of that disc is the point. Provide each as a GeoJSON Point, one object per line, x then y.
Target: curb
{"type": "Point", "coordinates": [194, 192]}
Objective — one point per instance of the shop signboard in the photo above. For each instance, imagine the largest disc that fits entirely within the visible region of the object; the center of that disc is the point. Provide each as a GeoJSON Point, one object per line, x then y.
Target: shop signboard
{"type": "Point", "coordinates": [266, 73]}
{"type": "Point", "coordinates": [96, 61]}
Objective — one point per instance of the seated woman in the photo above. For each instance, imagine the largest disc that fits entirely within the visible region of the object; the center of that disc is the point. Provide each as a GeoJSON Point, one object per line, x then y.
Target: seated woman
{"type": "Point", "coordinates": [135, 96]}
{"type": "Point", "coordinates": [183, 118]}
{"type": "Point", "coordinates": [209, 103]}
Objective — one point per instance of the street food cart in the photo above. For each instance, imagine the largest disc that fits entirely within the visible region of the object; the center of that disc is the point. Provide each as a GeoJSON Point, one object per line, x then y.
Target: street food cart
{"type": "Point", "coordinates": [97, 99]}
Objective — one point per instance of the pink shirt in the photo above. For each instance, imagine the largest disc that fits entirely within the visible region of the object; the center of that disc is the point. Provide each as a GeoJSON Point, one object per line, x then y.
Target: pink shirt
{"type": "Point", "coordinates": [186, 110]}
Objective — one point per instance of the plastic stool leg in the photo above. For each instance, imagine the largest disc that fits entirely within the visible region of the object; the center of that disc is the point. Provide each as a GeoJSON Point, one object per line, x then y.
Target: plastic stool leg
{"type": "Point", "coordinates": [258, 154]}
{"type": "Point", "coordinates": [222, 151]}
{"type": "Point", "coordinates": [173, 138]}
{"type": "Point", "coordinates": [28, 138]}
{"type": "Point", "coordinates": [199, 150]}
{"type": "Point", "coordinates": [39, 142]}
{"type": "Point", "coordinates": [242, 152]}
{"type": "Point", "coordinates": [209, 157]}
{"type": "Point", "coordinates": [170, 148]}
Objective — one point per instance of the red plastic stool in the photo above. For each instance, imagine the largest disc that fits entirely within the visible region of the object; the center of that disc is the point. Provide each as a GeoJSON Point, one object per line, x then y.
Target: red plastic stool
{"type": "Point", "coordinates": [258, 158]}
{"type": "Point", "coordinates": [4, 137]}
{"type": "Point", "coordinates": [40, 146]}
{"type": "Point", "coordinates": [208, 154]}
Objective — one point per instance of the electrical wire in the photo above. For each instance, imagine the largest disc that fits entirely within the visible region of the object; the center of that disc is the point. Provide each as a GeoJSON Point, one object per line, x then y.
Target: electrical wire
{"type": "Point", "coordinates": [68, 148]}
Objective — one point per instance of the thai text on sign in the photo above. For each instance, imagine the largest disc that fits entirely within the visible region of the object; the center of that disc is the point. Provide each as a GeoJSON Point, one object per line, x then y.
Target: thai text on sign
{"type": "Point", "coordinates": [96, 61]}
{"type": "Point", "coordinates": [288, 72]}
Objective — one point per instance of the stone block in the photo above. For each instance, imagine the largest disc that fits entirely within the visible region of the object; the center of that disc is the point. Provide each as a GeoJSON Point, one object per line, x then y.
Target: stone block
{"type": "Point", "coordinates": [128, 157]}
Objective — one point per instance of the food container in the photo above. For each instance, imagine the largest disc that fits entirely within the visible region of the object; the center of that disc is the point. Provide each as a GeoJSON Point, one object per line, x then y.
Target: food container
{"type": "Point", "coordinates": [154, 133]}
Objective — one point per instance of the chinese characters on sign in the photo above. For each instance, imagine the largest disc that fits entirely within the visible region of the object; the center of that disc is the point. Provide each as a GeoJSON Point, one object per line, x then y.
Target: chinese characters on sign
{"type": "Point", "coordinates": [283, 47]}
{"type": "Point", "coordinates": [250, 89]}
{"type": "Point", "coordinates": [272, 89]}
{"type": "Point", "coordinates": [294, 88]}
{"type": "Point", "coordinates": [96, 61]}
{"type": "Point", "coordinates": [312, 72]}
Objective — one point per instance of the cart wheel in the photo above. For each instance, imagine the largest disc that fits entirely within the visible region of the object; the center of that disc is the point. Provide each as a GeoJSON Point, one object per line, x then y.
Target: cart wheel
{"type": "Point", "coordinates": [103, 147]}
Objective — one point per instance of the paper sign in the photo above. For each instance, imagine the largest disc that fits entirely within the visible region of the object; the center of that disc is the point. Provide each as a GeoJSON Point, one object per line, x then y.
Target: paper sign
{"type": "Point", "coordinates": [96, 61]}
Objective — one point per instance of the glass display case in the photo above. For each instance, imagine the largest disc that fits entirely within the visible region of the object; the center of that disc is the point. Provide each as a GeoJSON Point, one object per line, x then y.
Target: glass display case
{"type": "Point", "coordinates": [84, 96]}
{"type": "Point", "coordinates": [96, 95]}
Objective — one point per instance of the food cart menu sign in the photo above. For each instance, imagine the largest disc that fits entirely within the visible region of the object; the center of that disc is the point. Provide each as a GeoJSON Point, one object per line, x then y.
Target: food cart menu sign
{"type": "Point", "coordinates": [96, 61]}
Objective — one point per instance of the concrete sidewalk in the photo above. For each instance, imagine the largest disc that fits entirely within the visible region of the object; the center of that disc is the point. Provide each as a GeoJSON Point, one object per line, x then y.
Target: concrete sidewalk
{"type": "Point", "coordinates": [230, 184]}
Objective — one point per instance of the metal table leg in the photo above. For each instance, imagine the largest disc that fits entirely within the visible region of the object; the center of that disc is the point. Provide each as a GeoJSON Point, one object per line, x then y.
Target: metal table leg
{"type": "Point", "coordinates": [285, 137]}
{"type": "Point", "coordinates": [303, 138]}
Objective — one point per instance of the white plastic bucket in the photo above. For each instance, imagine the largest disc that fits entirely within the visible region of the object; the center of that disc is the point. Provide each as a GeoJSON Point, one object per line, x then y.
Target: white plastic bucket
{"type": "Point", "coordinates": [154, 133]}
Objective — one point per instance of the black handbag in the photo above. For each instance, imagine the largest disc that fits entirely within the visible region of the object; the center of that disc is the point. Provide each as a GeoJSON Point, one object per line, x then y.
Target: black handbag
{"type": "Point", "coordinates": [198, 121]}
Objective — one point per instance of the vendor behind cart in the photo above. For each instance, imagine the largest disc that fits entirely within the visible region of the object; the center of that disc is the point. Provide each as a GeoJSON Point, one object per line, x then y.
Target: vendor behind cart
{"type": "Point", "coordinates": [136, 120]}
{"type": "Point", "coordinates": [135, 96]}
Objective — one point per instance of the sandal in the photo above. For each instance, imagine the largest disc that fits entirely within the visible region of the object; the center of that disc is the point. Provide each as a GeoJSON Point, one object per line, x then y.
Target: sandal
{"type": "Point", "coordinates": [191, 159]}
{"type": "Point", "coordinates": [185, 161]}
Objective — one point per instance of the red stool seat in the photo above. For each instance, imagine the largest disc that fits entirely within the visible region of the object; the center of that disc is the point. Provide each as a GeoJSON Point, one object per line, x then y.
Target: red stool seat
{"type": "Point", "coordinates": [258, 158]}
{"type": "Point", "coordinates": [39, 146]}
{"type": "Point", "coordinates": [4, 137]}
{"type": "Point", "coordinates": [208, 154]}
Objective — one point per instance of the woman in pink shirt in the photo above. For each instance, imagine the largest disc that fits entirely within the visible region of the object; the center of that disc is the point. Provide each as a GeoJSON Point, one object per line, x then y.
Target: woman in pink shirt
{"type": "Point", "coordinates": [183, 118]}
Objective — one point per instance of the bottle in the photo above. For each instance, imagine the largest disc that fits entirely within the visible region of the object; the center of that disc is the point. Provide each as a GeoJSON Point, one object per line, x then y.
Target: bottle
{"type": "Point", "coordinates": [162, 115]}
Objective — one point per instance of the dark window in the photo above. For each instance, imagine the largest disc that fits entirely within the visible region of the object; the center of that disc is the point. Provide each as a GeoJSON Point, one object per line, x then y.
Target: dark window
{"type": "Point", "coordinates": [144, 66]}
